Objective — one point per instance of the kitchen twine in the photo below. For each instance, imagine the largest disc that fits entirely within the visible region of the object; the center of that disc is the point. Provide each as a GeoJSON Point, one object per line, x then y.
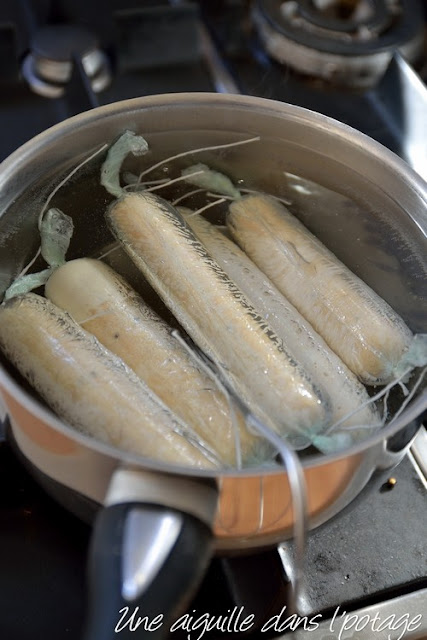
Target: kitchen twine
{"type": "Point", "coordinates": [289, 459]}
{"type": "Point", "coordinates": [299, 505]}
{"type": "Point", "coordinates": [297, 485]}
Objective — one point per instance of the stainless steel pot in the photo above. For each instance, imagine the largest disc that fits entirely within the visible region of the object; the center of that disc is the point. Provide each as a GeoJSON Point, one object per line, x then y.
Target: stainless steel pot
{"type": "Point", "coordinates": [154, 508]}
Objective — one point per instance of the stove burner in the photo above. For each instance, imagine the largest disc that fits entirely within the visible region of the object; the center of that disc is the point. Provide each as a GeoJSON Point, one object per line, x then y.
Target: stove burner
{"type": "Point", "coordinates": [347, 42]}
{"type": "Point", "coordinates": [48, 67]}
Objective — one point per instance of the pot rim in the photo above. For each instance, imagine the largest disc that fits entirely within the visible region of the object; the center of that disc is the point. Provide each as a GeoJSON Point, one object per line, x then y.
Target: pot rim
{"type": "Point", "coordinates": [211, 100]}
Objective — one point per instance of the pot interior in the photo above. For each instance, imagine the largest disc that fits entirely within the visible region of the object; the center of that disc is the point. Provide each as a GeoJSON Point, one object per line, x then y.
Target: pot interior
{"type": "Point", "coordinates": [365, 205]}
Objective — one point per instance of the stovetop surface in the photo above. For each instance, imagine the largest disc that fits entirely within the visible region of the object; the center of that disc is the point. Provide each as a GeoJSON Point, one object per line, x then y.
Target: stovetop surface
{"type": "Point", "coordinates": [242, 58]}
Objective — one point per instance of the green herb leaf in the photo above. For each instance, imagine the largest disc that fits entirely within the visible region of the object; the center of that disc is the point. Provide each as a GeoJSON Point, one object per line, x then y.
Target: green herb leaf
{"type": "Point", "coordinates": [56, 230]}
{"type": "Point", "coordinates": [415, 356]}
{"type": "Point", "coordinates": [129, 142]}
{"type": "Point", "coordinates": [28, 283]}
{"type": "Point", "coordinates": [211, 180]}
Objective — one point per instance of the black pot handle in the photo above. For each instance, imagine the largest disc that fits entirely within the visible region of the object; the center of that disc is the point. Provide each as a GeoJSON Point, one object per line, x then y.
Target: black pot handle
{"type": "Point", "coordinates": [146, 560]}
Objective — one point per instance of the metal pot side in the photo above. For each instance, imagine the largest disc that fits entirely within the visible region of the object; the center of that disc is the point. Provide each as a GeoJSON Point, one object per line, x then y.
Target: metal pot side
{"type": "Point", "coordinates": [253, 511]}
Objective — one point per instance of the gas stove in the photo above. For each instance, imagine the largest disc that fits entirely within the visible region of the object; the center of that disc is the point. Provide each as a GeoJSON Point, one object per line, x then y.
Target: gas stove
{"type": "Point", "coordinates": [361, 62]}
